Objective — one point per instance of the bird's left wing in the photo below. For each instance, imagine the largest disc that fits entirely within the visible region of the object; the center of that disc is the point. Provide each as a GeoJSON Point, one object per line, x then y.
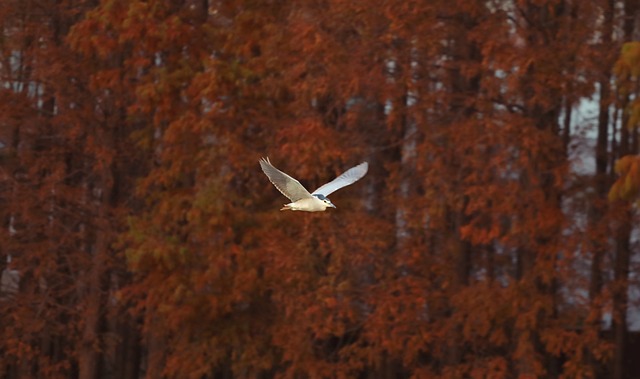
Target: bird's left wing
{"type": "Point", "coordinates": [287, 185]}
{"type": "Point", "coordinates": [348, 177]}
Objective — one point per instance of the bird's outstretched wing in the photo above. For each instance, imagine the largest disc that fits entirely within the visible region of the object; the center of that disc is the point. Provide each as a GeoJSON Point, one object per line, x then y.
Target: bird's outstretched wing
{"type": "Point", "coordinates": [287, 185]}
{"type": "Point", "coordinates": [348, 177]}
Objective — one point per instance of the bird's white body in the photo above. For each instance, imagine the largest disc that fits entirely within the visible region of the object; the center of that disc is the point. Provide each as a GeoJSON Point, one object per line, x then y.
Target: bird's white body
{"type": "Point", "coordinates": [301, 199]}
{"type": "Point", "coordinates": [312, 204]}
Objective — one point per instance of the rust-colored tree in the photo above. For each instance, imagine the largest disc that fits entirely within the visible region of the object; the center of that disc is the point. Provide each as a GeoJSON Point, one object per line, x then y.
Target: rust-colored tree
{"type": "Point", "coordinates": [62, 183]}
{"type": "Point", "coordinates": [146, 242]}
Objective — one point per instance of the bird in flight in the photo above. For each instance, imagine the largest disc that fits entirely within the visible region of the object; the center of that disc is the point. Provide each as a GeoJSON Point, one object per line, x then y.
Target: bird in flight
{"type": "Point", "coordinates": [301, 199]}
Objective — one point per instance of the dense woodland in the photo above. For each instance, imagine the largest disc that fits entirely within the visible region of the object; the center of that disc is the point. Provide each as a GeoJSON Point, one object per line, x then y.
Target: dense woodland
{"type": "Point", "coordinates": [495, 235]}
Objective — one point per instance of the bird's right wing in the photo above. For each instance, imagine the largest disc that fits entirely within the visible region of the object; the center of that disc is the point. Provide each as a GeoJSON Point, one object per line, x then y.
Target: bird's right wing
{"type": "Point", "coordinates": [348, 177]}
{"type": "Point", "coordinates": [287, 185]}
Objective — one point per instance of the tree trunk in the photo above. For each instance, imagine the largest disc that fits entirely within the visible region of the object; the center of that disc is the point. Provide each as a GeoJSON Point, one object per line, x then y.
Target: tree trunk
{"type": "Point", "coordinates": [88, 350]}
{"type": "Point", "coordinates": [620, 296]}
{"type": "Point", "coordinates": [628, 145]}
{"type": "Point", "coordinates": [599, 209]}
{"type": "Point", "coordinates": [94, 281]}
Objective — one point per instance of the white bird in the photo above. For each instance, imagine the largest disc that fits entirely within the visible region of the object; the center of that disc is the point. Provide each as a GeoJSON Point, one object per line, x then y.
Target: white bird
{"type": "Point", "coordinates": [301, 199]}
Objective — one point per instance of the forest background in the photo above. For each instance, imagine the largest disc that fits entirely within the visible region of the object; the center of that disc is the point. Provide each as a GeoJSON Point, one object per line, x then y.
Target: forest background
{"type": "Point", "coordinates": [495, 235]}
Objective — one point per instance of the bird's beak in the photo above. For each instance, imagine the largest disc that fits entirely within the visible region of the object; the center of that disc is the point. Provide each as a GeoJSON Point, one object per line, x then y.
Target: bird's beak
{"type": "Point", "coordinates": [332, 206]}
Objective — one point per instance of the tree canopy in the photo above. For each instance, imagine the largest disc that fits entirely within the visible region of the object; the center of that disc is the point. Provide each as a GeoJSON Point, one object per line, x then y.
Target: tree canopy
{"type": "Point", "coordinates": [495, 235]}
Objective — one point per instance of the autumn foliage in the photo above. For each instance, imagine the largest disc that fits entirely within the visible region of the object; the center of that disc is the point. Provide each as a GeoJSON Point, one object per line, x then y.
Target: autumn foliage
{"type": "Point", "coordinates": [493, 237]}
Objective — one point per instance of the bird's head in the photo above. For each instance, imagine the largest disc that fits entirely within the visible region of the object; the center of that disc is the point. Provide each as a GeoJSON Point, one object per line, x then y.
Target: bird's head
{"type": "Point", "coordinates": [325, 200]}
